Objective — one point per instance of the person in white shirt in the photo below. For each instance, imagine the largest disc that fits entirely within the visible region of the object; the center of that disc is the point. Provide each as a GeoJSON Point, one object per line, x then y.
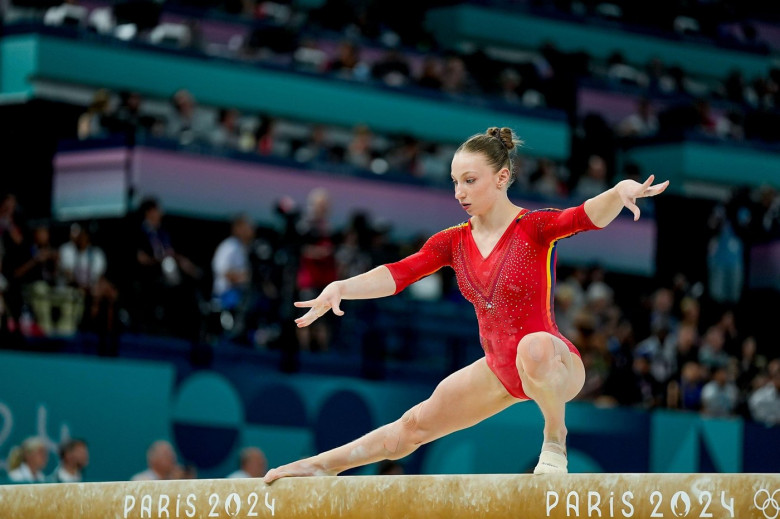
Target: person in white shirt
{"type": "Point", "coordinates": [253, 464]}
{"type": "Point", "coordinates": [161, 459]}
{"type": "Point", "coordinates": [74, 458]}
{"type": "Point", "coordinates": [233, 273]}
{"type": "Point", "coordinates": [642, 123]}
{"type": "Point", "coordinates": [719, 396]}
{"type": "Point", "coordinates": [764, 403]}
{"type": "Point", "coordinates": [83, 266]}
{"type": "Point", "coordinates": [27, 461]}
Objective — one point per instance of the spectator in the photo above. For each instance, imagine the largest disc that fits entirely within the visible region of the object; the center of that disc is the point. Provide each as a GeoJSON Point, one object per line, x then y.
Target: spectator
{"type": "Point", "coordinates": [128, 119]}
{"type": "Point", "coordinates": [359, 151]}
{"type": "Point", "coordinates": [406, 157]}
{"type": "Point", "coordinates": [690, 387]}
{"type": "Point", "coordinates": [685, 347]}
{"type": "Point", "coordinates": [348, 64]}
{"type": "Point", "coordinates": [317, 264]}
{"type": "Point", "coordinates": [83, 266]}
{"type": "Point", "coordinates": [252, 464]}
{"type": "Point", "coordinates": [233, 273]}
{"type": "Point", "coordinates": [161, 460]}
{"type": "Point", "coordinates": [764, 403]}
{"type": "Point", "coordinates": [711, 353]}
{"type": "Point", "coordinates": [431, 75]}
{"type": "Point", "coordinates": [316, 148]}
{"type": "Point", "coordinates": [392, 69]}
{"type": "Point", "coordinates": [164, 277]}
{"type": "Point", "coordinates": [226, 133]}
{"type": "Point", "coordinates": [645, 389]}
{"type": "Point", "coordinates": [719, 395]}
{"type": "Point", "coordinates": [92, 123]}
{"type": "Point", "coordinates": [545, 180]}
{"type": "Point", "coordinates": [643, 123]}
{"type": "Point", "coordinates": [659, 351]}
{"type": "Point", "coordinates": [185, 123]}
{"type": "Point", "coordinates": [455, 78]}
{"type": "Point", "coordinates": [54, 306]}
{"type": "Point", "coordinates": [74, 458]}
{"type": "Point", "coordinates": [594, 180]}
{"type": "Point", "coordinates": [265, 136]}
{"type": "Point", "coordinates": [27, 461]}
{"type": "Point", "coordinates": [750, 363]}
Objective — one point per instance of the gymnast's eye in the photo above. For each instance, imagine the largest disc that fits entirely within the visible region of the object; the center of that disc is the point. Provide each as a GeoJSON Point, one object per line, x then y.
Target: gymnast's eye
{"type": "Point", "coordinates": [470, 181]}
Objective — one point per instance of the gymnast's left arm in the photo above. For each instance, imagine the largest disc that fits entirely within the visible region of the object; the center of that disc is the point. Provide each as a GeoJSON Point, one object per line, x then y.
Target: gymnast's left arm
{"type": "Point", "coordinates": [604, 208]}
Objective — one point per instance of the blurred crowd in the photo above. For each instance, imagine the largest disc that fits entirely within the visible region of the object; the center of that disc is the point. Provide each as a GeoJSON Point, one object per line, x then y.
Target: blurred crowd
{"type": "Point", "coordinates": [28, 463]}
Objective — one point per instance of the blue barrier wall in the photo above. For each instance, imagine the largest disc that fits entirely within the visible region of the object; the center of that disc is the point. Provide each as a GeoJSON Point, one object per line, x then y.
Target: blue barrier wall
{"type": "Point", "coordinates": [121, 406]}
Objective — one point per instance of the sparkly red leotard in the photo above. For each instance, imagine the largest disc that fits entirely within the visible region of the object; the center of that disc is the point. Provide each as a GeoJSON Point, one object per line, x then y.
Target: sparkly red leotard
{"type": "Point", "coordinates": [511, 289]}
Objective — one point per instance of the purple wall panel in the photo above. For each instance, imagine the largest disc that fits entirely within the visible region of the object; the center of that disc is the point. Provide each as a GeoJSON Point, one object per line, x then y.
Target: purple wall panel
{"type": "Point", "coordinates": [217, 188]}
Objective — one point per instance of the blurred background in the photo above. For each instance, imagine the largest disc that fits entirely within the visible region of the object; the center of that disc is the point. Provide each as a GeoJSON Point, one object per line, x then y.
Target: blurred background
{"type": "Point", "coordinates": [176, 173]}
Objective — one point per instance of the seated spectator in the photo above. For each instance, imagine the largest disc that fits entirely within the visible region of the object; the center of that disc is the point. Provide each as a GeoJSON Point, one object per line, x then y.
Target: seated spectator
{"type": "Point", "coordinates": [691, 385]}
{"type": "Point", "coordinates": [719, 395]}
{"type": "Point", "coordinates": [359, 151]}
{"type": "Point", "coordinates": [185, 123]}
{"type": "Point", "coordinates": [233, 273]}
{"type": "Point", "coordinates": [392, 69]}
{"type": "Point", "coordinates": [74, 458]}
{"type": "Point", "coordinates": [226, 133]}
{"type": "Point", "coordinates": [406, 157]}
{"type": "Point", "coordinates": [93, 122]}
{"type": "Point", "coordinates": [545, 181]}
{"type": "Point", "coordinates": [750, 363]}
{"type": "Point", "coordinates": [54, 306]}
{"type": "Point", "coordinates": [764, 403]}
{"type": "Point", "coordinates": [161, 460]}
{"type": "Point", "coordinates": [642, 123]}
{"type": "Point", "coordinates": [594, 181]}
{"type": "Point", "coordinates": [347, 63]}
{"type": "Point", "coordinates": [431, 75]}
{"type": "Point", "coordinates": [455, 78]}
{"type": "Point", "coordinates": [644, 389]}
{"type": "Point", "coordinates": [128, 119]}
{"type": "Point", "coordinates": [252, 464]}
{"type": "Point", "coordinates": [711, 353]}
{"type": "Point", "coordinates": [265, 136]}
{"type": "Point", "coordinates": [83, 266]}
{"type": "Point", "coordinates": [316, 148]}
{"type": "Point", "coordinates": [27, 461]}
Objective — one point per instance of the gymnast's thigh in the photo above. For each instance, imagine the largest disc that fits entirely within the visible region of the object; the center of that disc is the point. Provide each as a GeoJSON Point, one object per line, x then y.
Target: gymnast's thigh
{"type": "Point", "coordinates": [463, 399]}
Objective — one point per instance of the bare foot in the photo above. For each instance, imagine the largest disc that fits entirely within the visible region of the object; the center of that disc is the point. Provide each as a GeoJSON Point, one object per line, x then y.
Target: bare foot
{"type": "Point", "coordinates": [297, 469]}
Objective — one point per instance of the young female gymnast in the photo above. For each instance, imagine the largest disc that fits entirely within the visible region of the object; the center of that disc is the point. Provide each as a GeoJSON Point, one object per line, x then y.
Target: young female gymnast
{"type": "Point", "coordinates": [504, 259]}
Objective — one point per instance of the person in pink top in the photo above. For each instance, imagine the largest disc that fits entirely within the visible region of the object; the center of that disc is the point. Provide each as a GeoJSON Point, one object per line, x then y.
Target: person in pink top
{"type": "Point", "coordinates": [504, 259]}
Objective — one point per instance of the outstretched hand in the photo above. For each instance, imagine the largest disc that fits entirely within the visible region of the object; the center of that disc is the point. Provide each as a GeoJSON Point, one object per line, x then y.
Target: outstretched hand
{"type": "Point", "coordinates": [329, 299]}
{"type": "Point", "coordinates": [630, 190]}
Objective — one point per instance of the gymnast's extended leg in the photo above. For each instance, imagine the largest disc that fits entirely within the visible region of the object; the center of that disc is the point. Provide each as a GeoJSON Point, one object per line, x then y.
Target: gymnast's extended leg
{"type": "Point", "coordinates": [461, 400]}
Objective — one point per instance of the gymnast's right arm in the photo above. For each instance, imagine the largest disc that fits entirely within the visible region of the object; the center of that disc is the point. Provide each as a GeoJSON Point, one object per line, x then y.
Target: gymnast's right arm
{"type": "Point", "coordinates": [383, 281]}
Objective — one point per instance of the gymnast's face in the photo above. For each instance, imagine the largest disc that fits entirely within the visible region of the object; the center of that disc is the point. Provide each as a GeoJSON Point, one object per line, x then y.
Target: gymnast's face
{"type": "Point", "coordinates": [477, 185]}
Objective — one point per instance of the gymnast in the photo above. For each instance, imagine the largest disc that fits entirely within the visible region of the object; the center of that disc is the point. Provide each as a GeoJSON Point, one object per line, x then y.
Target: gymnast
{"type": "Point", "coordinates": [504, 259]}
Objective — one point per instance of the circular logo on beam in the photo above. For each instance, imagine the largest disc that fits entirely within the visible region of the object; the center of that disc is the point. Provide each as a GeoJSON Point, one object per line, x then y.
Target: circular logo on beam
{"type": "Point", "coordinates": [767, 503]}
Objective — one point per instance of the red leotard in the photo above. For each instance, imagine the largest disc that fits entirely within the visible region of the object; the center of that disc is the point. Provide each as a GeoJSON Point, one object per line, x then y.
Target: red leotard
{"type": "Point", "coordinates": [512, 289]}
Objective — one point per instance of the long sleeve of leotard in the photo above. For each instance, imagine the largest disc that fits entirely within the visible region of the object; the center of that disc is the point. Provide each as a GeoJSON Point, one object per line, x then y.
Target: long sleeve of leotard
{"type": "Point", "coordinates": [435, 254]}
{"type": "Point", "coordinates": [549, 225]}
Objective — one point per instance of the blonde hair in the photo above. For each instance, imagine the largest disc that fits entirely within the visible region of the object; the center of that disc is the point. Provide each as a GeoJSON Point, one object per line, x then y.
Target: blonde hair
{"type": "Point", "coordinates": [18, 453]}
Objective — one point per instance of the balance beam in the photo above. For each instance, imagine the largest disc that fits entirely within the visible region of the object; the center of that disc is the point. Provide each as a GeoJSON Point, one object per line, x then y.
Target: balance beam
{"type": "Point", "coordinates": [742, 496]}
